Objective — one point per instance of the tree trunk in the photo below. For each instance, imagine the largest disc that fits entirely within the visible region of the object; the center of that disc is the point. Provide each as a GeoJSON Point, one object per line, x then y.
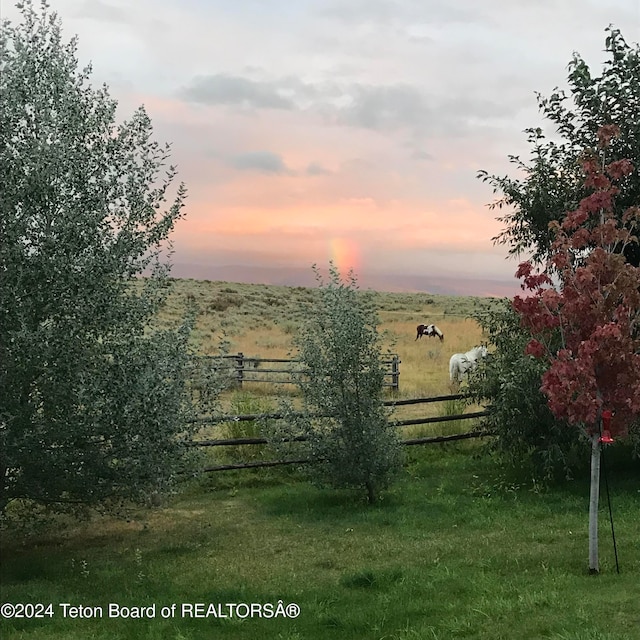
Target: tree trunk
{"type": "Point", "coordinates": [372, 495]}
{"type": "Point", "coordinates": [594, 497]}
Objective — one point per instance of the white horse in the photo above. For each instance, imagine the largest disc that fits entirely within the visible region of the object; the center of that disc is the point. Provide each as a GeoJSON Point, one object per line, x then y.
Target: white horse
{"type": "Point", "coordinates": [461, 363]}
{"type": "Point", "coordinates": [429, 330]}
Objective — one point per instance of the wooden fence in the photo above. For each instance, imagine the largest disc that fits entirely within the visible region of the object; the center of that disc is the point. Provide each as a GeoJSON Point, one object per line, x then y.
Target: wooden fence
{"type": "Point", "coordinates": [279, 416]}
{"type": "Point", "coordinates": [249, 369]}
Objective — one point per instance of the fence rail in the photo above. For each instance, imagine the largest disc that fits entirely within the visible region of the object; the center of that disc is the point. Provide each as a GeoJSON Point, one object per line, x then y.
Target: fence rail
{"type": "Point", "coordinates": [280, 416]}
{"type": "Point", "coordinates": [413, 441]}
{"type": "Point", "coordinates": [397, 423]}
{"type": "Point", "coordinates": [249, 369]}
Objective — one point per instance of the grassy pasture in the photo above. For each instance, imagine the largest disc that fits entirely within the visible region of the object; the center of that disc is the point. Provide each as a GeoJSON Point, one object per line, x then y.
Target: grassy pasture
{"type": "Point", "coordinates": [453, 551]}
{"type": "Point", "coordinates": [457, 549]}
{"type": "Point", "coordinates": [261, 320]}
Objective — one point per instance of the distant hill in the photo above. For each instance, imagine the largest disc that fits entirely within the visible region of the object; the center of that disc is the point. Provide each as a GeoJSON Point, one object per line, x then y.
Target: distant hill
{"type": "Point", "coordinates": [303, 277]}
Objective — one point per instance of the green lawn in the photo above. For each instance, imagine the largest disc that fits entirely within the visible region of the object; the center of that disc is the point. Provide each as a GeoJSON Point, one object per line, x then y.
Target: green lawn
{"type": "Point", "coordinates": [451, 552]}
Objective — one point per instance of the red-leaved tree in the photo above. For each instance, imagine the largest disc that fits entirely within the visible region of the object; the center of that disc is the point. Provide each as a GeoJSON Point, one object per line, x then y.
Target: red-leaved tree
{"type": "Point", "coordinates": [583, 312]}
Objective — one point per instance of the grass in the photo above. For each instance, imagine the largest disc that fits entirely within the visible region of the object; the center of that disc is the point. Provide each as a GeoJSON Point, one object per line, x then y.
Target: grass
{"type": "Point", "coordinates": [244, 403]}
{"type": "Point", "coordinates": [454, 408]}
{"type": "Point", "coordinates": [457, 548]}
{"type": "Point", "coordinates": [453, 551]}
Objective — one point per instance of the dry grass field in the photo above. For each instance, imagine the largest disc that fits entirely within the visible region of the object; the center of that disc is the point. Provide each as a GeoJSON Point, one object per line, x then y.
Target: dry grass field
{"type": "Point", "coordinates": [262, 320]}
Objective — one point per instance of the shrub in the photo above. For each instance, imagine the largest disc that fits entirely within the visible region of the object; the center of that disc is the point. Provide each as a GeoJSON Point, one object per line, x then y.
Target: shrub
{"type": "Point", "coordinates": [341, 354]}
{"type": "Point", "coordinates": [528, 435]}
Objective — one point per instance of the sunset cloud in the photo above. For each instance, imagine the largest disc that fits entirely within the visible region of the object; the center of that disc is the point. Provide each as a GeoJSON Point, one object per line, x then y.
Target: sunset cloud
{"type": "Point", "coordinates": [263, 161]}
{"type": "Point", "coordinates": [322, 129]}
{"type": "Point", "coordinates": [234, 90]}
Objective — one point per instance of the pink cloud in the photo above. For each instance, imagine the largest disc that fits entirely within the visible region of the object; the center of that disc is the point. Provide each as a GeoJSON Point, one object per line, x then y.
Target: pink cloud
{"type": "Point", "coordinates": [370, 194]}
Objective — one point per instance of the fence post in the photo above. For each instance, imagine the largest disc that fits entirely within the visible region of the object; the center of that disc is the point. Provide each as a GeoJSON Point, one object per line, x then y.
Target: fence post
{"type": "Point", "coordinates": [240, 366]}
{"type": "Point", "coordinates": [395, 373]}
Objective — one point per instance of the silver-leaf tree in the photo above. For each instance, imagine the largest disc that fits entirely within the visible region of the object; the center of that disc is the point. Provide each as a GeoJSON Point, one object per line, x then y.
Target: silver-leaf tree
{"type": "Point", "coordinates": [92, 399]}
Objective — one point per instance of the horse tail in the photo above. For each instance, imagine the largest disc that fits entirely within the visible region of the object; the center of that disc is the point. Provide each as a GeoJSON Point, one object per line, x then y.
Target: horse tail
{"type": "Point", "coordinates": [452, 368]}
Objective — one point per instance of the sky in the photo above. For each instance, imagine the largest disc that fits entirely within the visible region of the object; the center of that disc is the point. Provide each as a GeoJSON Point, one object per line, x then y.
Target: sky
{"type": "Point", "coordinates": [344, 130]}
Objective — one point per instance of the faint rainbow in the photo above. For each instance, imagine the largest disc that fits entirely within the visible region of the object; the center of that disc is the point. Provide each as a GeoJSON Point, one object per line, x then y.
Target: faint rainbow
{"type": "Point", "coordinates": [345, 255]}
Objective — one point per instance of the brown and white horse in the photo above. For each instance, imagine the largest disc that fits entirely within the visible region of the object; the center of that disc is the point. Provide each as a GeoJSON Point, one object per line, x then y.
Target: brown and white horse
{"type": "Point", "coordinates": [429, 330]}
